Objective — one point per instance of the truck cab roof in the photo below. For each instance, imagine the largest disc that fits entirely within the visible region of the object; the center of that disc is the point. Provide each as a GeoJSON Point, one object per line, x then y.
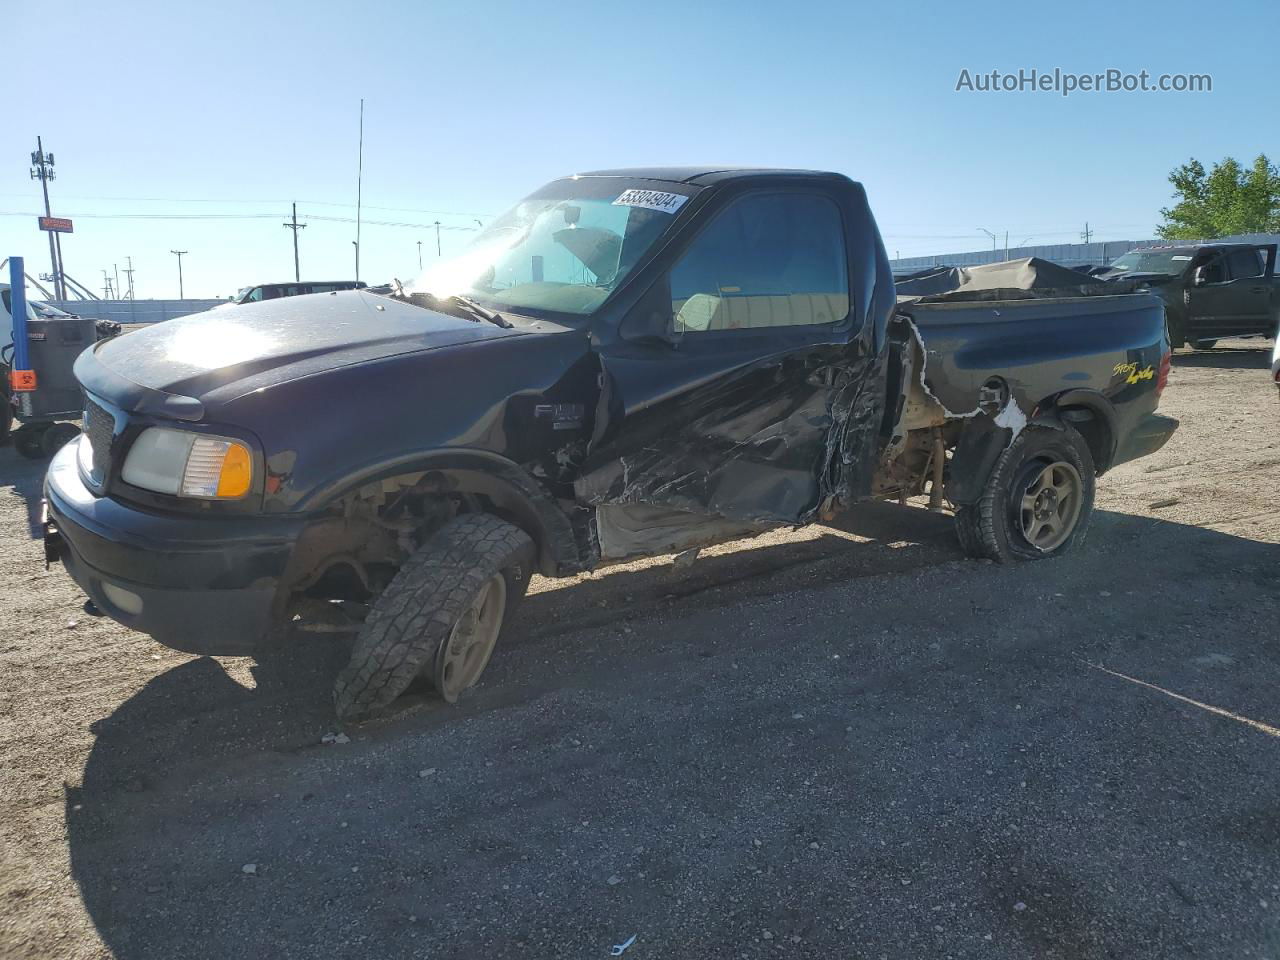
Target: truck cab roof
{"type": "Point", "coordinates": [705, 176]}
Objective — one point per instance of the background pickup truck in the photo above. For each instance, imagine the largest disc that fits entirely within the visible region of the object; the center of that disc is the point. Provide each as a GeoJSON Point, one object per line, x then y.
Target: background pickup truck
{"type": "Point", "coordinates": [628, 363]}
{"type": "Point", "coordinates": [1210, 290]}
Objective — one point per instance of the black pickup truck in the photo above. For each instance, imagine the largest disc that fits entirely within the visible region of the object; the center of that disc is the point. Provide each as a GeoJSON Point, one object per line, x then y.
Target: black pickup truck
{"type": "Point", "coordinates": [627, 363]}
{"type": "Point", "coordinates": [1210, 290]}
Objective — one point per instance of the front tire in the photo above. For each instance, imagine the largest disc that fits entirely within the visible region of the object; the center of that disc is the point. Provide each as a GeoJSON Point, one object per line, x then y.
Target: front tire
{"type": "Point", "coordinates": [1038, 501]}
{"type": "Point", "coordinates": [442, 615]}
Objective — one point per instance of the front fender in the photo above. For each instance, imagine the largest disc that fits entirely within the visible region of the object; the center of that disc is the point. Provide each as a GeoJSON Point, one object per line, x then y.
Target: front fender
{"type": "Point", "coordinates": [510, 488]}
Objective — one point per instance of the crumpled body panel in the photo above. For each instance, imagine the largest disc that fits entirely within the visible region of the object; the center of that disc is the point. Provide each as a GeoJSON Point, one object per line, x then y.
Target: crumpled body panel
{"type": "Point", "coordinates": [766, 442]}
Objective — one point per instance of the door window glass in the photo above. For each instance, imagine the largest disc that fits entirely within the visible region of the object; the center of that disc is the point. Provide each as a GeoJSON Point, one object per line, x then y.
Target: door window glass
{"type": "Point", "coordinates": [767, 260]}
{"type": "Point", "coordinates": [1244, 263]}
{"type": "Point", "coordinates": [1215, 271]}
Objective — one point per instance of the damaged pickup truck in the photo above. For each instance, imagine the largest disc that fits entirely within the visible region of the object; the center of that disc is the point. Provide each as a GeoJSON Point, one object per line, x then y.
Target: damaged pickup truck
{"type": "Point", "coordinates": [627, 363]}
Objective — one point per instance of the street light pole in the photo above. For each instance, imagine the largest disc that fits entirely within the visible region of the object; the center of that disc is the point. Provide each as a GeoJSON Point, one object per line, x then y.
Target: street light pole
{"type": "Point", "coordinates": [419, 254]}
{"type": "Point", "coordinates": [437, 238]}
{"type": "Point", "coordinates": [179, 254]}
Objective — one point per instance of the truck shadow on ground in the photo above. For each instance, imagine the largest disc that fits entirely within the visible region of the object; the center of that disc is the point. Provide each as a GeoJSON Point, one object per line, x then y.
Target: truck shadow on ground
{"type": "Point", "coordinates": [1227, 358]}
{"type": "Point", "coordinates": [354, 851]}
{"type": "Point", "coordinates": [26, 479]}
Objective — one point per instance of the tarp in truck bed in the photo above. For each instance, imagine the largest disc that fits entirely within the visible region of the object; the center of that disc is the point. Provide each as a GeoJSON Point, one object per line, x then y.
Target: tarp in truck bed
{"type": "Point", "coordinates": [1027, 279]}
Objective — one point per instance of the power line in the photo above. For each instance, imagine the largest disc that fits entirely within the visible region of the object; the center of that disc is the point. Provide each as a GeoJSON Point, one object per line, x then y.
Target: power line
{"type": "Point", "coordinates": [241, 216]}
{"type": "Point", "coordinates": [310, 203]}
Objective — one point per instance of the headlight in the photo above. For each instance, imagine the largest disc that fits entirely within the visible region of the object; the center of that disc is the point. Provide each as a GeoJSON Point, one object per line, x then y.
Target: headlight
{"type": "Point", "coordinates": [187, 464]}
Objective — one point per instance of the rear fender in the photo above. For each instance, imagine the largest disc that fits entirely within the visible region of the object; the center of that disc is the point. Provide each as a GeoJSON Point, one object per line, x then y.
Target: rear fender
{"type": "Point", "coordinates": [1092, 415]}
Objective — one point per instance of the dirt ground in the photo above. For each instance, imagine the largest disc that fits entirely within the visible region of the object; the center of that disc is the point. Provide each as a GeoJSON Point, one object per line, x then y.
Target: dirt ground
{"type": "Point", "coordinates": [839, 742]}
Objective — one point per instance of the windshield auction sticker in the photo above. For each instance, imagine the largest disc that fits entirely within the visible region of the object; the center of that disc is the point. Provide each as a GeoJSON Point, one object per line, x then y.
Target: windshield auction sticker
{"type": "Point", "coordinates": [651, 200]}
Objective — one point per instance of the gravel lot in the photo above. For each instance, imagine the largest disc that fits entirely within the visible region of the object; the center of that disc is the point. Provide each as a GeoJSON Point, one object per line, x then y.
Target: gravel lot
{"type": "Point", "coordinates": [839, 742]}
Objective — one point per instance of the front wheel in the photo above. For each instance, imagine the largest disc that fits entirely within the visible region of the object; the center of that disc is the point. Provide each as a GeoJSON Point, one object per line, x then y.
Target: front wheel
{"type": "Point", "coordinates": [1037, 502]}
{"type": "Point", "coordinates": [440, 616]}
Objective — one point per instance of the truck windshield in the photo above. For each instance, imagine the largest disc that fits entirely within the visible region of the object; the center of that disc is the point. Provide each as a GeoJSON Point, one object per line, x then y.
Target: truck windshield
{"type": "Point", "coordinates": [561, 250]}
{"type": "Point", "coordinates": [1172, 262]}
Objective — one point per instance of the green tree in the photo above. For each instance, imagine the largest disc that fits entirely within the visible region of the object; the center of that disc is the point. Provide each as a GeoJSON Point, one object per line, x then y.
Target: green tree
{"type": "Point", "coordinates": [1226, 200]}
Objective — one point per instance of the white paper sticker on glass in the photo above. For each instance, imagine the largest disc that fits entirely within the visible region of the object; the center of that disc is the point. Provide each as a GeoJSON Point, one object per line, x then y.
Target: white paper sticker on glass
{"type": "Point", "coordinates": [651, 200]}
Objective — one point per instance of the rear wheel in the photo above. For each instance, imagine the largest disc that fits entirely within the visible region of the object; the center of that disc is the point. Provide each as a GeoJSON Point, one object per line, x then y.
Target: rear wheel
{"type": "Point", "coordinates": [26, 440]}
{"type": "Point", "coordinates": [440, 616]}
{"type": "Point", "coordinates": [1037, 502]}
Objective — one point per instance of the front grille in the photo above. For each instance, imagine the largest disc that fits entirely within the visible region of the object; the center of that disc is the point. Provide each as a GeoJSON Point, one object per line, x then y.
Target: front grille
{"type": "Point", "coordinates": [100, 427]}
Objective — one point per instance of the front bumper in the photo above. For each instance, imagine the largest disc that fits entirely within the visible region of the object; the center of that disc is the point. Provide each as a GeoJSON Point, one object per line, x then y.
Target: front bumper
{"type": "Point", "coordinates": [203, 584]}
{"type": "Point", "coordinates": [1151, 433]}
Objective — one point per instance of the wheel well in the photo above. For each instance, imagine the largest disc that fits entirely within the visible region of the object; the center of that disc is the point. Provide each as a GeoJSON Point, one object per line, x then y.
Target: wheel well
{"type": "Point", "coordinates": [364, 534]}
{"type": "Point", "coordinates": [1096, 431]}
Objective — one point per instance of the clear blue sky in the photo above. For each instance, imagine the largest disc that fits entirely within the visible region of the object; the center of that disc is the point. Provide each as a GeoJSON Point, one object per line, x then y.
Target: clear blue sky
{"type": "Point", "coordinates": [240, 108]}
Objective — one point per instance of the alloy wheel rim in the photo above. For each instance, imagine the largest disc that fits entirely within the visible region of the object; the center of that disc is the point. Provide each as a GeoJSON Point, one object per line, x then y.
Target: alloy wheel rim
{"type": "Point", "coordinates": [1051, 505]}
{"type": "Point", "coordinates": [471, 641]}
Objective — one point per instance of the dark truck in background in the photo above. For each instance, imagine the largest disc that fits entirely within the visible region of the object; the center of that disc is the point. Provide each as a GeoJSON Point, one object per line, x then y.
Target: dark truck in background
{"type": "Point", "coordinates": [628, 363]}
{"type": "Point", "coordinates": [1211, 290]}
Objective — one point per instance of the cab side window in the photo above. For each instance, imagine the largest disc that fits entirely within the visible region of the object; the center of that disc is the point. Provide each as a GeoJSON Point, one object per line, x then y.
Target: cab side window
{"type": "Point", "coordinates": [1245, 263]}
{"type": "Point", "coordinates": [767, 260]}
{"type": "Point", "coordinates": [1215, 269]}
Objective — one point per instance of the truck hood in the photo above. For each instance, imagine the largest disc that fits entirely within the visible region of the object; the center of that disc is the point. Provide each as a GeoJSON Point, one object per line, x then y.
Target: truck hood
{"type": "Point", "coordinates": [179, 367]}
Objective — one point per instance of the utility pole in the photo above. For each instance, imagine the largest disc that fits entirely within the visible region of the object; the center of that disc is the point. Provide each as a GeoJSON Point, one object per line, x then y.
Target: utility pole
{"type": "Point", "coordinates": [179, 254]}
{"type": "Point", "coordinates": [1086, 233]}
{"type": "Point", "coordinates": [42, 170]}
{"type": "Point", "coordinates": [128, 272]}
{"type": "Point", "coordinates": [106, 286]}
{"type": "Point", "coordinates": [295, 226]}
{"type": "Point", "coordinates": [359, 187]}
{"type": "Point", "coordinates": [1006, 244]}
{"type": "Point", "coordinates": [437, 238]}
{"type": "Point", "coordinates": [116, 268]}
{"type": "Point", "coordinates": [419, 254]}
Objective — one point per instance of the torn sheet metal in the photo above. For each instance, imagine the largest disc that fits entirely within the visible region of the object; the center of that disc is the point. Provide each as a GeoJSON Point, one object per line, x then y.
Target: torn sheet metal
{"type": "Point", "coordinates": [1010, 416]}
{"type": "Point", "coordinates": [765, 442]}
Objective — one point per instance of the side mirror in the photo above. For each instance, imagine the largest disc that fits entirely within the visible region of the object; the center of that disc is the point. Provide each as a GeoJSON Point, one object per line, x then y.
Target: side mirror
{"type": "Point", "coordinates": [646, 325]}
{"type": "Point", "coordinates": [650, 320]}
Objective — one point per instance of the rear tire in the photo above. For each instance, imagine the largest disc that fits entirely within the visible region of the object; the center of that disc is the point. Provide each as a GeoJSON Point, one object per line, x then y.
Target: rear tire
{"type": "Point", "coordinates": [1038, 501]}
{"type": "Point", "coordinates": [441, 614]}
{"type": "Point", "coordinates": [26, 440]}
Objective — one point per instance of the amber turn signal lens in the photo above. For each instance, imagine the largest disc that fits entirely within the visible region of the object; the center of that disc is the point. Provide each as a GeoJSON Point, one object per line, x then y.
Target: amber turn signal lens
{"type": "Point", "coordinates": [237, 472]}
